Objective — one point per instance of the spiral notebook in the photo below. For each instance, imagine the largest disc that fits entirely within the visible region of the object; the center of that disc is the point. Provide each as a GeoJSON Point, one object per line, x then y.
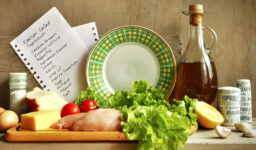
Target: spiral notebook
{"type": "Point", "coordinates": [56, 54]}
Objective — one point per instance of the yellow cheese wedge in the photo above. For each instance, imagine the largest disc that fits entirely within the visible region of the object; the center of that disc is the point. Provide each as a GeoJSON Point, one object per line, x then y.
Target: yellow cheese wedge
{"type": "Point", "coordinates": [39, 120]}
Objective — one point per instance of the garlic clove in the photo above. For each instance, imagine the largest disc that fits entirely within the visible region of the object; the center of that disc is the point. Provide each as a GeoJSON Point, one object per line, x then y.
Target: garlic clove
{"type": "Point", "coordinates": [250, 133]}
{"type": "Point", "coordinates": [222, 132]}
{"type": "Point", "coordinates": [242, 126]}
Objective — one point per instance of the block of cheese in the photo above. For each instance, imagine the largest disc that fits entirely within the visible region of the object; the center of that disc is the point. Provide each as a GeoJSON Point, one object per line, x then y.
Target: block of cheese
{"type": "Point", "coordinates": [38, 99]}
{"type": "Point", "coordinates": [39, 120]}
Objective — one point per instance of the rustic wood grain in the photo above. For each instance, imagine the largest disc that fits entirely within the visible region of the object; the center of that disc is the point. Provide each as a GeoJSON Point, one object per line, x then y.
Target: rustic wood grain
{"type": "Point", "coordinates": [201, 140]}
{"type": "Point", "coordinates": [111, 146]}
{"type": "Point", "coordinates": [50, 134]}
{"type": "Point", "coordinates": [233, 20]}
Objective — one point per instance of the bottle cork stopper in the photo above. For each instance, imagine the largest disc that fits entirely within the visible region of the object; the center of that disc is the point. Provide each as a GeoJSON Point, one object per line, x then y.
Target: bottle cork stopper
{"type": "Point", "coordinates": [196, 8]}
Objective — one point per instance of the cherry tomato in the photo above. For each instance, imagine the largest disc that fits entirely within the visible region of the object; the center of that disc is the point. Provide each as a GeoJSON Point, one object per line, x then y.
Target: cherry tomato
{"type": "Point", "coordinates": [69, 109]}
{"type": "Point", "coordinates": [88, 105]}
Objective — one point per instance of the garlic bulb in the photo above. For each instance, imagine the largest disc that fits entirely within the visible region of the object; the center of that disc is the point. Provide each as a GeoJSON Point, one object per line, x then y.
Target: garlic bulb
{"type": "Point", "coordinates": [243, 126]}
{"type": "Point", "coordinates": [250, 133]}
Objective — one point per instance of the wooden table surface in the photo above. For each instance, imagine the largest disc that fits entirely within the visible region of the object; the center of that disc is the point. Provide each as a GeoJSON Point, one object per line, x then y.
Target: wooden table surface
{"type": "Point", "coordinates": [201, 140]}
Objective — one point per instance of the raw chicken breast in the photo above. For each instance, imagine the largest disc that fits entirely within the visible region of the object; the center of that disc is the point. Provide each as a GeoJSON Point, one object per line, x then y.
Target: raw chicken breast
{"type": "Point", "coordinates": [68, 121]}
{"type": "Point", "coordinates": [99, 120]}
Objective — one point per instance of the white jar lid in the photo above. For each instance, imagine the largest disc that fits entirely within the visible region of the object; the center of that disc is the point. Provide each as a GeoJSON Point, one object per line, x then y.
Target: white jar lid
{"type": "Point", "coordinates": [243, 81]}
{"type": "Point", "coordinates": [16, 76]}
{"type": "Point", "coordinates": [228, 90]}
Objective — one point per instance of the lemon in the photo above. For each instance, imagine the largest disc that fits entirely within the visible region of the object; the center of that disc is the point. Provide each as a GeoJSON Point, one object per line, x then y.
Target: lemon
{"type": "Point", "coordinates": [207, 115]}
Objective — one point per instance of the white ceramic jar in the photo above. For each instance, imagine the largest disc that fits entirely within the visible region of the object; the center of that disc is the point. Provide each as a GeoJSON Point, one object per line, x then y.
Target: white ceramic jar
{"type": "Point", "coordinates": [229, 104]}
{"type": "Point", "coordinates": [18, 89]}
{"type": "Point", "coordinates": [246, 100]}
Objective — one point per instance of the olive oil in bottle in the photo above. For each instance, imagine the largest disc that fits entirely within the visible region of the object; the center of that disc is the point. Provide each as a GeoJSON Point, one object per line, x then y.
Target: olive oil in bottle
{"type": "Point", "coordinates": [197, 76]}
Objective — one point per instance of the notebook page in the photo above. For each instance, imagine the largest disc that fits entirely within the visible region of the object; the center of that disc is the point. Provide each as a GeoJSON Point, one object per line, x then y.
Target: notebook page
{"type": "Point", "coordinates": [88, 33]}
{"type": "Point", "coordinates": [55, 54]}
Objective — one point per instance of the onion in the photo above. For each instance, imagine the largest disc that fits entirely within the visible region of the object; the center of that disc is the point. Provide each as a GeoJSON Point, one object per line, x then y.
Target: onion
{"type": "Point", "coordinates": [8, 119]}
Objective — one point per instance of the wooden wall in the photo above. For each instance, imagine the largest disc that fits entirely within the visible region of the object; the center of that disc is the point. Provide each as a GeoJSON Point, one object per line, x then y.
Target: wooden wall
{"type": "Point", "coordinates": [233, 20]}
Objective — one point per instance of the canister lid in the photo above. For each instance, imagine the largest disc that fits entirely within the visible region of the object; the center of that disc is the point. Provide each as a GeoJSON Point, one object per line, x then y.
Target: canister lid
{"type": "Point", "coordinates": [228, 90]}
{"type": "Point", "coordinates": [18, 76]}
{"type": "Point", "coordinates": [243, 81]}
{"type": "Point", "coordinates": [196, 8]}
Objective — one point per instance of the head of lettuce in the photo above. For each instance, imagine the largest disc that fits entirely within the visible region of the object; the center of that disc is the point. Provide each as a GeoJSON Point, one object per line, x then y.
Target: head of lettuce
{"type": "Point", "coordinates": [148, 117]}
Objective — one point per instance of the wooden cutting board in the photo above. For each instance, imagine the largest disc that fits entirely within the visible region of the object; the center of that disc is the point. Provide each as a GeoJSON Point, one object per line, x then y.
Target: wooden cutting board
{"type": "Point", "coordinates": [14, 134]}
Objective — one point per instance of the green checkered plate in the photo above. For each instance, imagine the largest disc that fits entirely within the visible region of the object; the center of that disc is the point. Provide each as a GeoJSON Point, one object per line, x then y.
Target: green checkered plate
{"type": "Point", "coordinates": [128, 54]}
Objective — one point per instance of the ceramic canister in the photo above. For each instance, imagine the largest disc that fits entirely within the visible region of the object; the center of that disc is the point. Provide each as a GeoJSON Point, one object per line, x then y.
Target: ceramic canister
{"type": "Point", "coordinates": [246, 100]}
{"type": "Point", "coordinates": [229, 104]}
{"type": "Point", "coordinates": [18, 86]}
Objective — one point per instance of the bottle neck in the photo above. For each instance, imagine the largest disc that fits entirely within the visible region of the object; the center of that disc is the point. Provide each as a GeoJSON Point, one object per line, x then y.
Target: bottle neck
{"type": "Point", "coordinates": [196, 37]}
{"type": "Point", "coordinates": [195, 51]}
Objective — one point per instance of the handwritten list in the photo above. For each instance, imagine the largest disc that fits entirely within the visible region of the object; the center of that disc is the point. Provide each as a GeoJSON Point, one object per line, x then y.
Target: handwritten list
{"type": "Point", "coordinates": [55, 54]}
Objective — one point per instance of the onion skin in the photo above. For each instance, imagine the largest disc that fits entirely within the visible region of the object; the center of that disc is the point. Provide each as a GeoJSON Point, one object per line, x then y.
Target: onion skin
{"type": "Point", "coordinates": [8, 119]}
{"type": "Point", "coordinates": [1, 110]}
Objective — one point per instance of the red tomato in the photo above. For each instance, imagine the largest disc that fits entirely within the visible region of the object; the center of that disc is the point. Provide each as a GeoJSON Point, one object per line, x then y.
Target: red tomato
{"type": "Point", "coordinates": [69, 109]}
{"type": "Point", "coordinates": [88, 105]}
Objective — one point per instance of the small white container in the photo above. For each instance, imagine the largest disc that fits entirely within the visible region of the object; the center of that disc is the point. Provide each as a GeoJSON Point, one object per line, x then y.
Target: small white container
{"type": "Point", "coordinates": [18, 89]}
{"type": "Point", "coordinates": [246, 100]}
{"type": "Point", "coordinates": [229, 104]}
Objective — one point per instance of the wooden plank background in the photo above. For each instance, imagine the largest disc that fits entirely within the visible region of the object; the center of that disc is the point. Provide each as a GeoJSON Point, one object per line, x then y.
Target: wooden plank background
{"type": "Point", "coordinates": [233, 20]}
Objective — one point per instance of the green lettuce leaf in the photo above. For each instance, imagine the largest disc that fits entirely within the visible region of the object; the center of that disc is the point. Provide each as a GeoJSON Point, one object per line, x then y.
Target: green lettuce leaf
{"type": "Point", "coordinates": [91, 94]}
{"type": "Point", "coordinates": [186, 107]}
{"type": "Point", "coordinates": [149, 118]}
{"type": "Point", "coordinates": [155, 127]}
